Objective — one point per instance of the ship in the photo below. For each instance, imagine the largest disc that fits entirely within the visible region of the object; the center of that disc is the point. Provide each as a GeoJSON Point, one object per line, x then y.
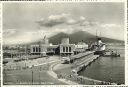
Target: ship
{"type": "Point", "coordinates": [99, 47]}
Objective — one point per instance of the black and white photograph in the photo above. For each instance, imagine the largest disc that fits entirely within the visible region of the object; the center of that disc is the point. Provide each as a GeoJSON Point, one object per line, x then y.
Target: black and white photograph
{"type": "Point", "coordinates": [62, 43]}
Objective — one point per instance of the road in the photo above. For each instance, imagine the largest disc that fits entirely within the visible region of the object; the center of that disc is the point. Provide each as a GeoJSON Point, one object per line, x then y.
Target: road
{"type": "Point", "coordinates": [36, 75]}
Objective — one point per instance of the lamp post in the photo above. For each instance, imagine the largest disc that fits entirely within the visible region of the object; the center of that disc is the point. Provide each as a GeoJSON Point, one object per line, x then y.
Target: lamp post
{"type": "Point", "coordinates": [32, 77]}
{"type": "Point", "coordinates": [39, 76]}
{"type": "Point", "coordinates": [4, 73]}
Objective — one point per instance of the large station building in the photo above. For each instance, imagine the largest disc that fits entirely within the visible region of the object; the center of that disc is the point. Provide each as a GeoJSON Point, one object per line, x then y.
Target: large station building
{"type": "Point", "coordinates": [66, 48]}
{"type": "Point", "coordinates": [44, 48]}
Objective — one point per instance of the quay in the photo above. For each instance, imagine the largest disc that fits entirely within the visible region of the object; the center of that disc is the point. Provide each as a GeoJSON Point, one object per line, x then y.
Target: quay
{"type": "Point", "coordinates": [85, 63]}
{"type": "Point", "coordinates": [82, 60]}
{"type": "Point", "coordinates": [80, 55]}
{"type": "Point", "coordinates": [62, 62]}
{"type": "Point", "coordinates": [79, 62]}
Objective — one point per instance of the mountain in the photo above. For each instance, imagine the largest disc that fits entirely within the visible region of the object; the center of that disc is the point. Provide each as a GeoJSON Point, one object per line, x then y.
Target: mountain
{"type": "Point", "coordinates": [80, 36]}
{"type": "Point", "coordinates": [76, 37]}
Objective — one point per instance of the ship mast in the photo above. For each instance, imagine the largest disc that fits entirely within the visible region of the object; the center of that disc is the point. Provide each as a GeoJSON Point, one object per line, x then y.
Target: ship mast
{"type": "Point", "coordinates": [96, 34]}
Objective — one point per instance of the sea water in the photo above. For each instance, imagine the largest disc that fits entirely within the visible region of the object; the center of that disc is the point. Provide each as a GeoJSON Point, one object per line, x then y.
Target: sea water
{"type": "Point", "coordinates": [110, 69]}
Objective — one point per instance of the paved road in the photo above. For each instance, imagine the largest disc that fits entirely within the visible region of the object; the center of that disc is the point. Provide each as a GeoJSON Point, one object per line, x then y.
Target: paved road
{"type": "Point", "coordinates": [36, 75]}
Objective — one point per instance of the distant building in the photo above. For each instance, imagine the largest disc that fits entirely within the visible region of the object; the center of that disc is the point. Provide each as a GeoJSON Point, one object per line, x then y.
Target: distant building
{"type": "Point", "coordinates": [66, 48]}
{"type": "Point", "coordinates": [14, 51]}
{"type": "Point", "coordinates": [80, 47]}
{"type": "Point", "coordinates": [43, 48]}
{"type": "Point", "coordinates": [35, 49]}
{"type": "Point", "coordinates": [51, 49]}
{"type": "Point", "coordinates": [40, 48]}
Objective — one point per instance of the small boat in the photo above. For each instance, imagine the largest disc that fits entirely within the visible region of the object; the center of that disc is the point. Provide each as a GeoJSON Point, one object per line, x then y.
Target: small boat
{"type": "Point", "coordinates": [111, 54]}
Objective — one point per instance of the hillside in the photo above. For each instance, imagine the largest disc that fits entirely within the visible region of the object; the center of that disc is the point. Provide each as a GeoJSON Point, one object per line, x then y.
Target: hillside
{"type": "Point", "coordinates": [79, 36]}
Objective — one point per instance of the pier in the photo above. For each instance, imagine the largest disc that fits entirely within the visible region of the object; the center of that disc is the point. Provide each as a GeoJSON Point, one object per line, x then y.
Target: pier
{"type": "Point", "coordinates": [79, 62]}
{"type": "Point", "coordinates": [81, 65]}
{"type": "Point", "coordinates": [82, 60]}
{"type": "Point", "coordinates": [78, 57]}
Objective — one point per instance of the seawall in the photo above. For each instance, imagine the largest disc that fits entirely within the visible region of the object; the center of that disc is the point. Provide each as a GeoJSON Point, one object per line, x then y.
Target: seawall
{"type": "Point", "coordinates": [84, 61]}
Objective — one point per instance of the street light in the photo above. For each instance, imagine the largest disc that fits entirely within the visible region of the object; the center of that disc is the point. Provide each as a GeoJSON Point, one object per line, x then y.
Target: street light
{"type": "Point", "coordinates": [32, 76]}
{"type": "Point", "coordinates": [39, 75]}
{"type": "Point", "coordinates": [4, 72]}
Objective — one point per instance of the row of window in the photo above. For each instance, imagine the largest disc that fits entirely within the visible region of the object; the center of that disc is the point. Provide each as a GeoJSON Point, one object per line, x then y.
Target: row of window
{"type": "Point", "coordinates": [36, 49]}
{"type": "Point", "coordinates": [66, 49]}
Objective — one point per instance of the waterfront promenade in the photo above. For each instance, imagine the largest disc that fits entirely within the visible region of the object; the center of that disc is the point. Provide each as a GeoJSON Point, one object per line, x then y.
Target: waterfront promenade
{"type": "Point", "coordinates": [35, 74]}
{"type": "Point", "coordinates": [29, 63]}
{"type": "Point", "coordinates": [67, 71]}
{"type": "Point", "coordinates": [49, 70]}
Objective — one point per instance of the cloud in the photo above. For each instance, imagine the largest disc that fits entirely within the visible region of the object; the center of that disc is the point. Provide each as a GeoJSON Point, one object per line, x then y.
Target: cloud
{"type": "Point", "coordinates": [71, 22]}
{"type": "Point", "coordinates": [89, 23]}
{"type": "Point", "coordinates": [110, 25]}
{"type": "Point", "coordinates": [54, 24]}
{"type": "Point", "coordinates": [82, 18]}
{"type": "Point", "coordinates": [80, 23]}
{"type": "Point", "coordinates": [53, 20]}
{"type": "Point", "coordinates": [13, 36]}
{"type": "Point", "coordinates": [9, 32]}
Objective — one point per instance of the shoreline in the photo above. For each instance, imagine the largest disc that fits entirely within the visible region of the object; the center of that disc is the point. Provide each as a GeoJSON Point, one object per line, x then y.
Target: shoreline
{"type": "Point", "coordinates": [55, 75]}
{"type": "Point", "coordinates": [78, 79]}
{"type": "Point", "coordinates": [90, 69]}
{"type": "Point", "coordinates": [93, 81]}
{"type": "Point", "coordinates": [81, 78]}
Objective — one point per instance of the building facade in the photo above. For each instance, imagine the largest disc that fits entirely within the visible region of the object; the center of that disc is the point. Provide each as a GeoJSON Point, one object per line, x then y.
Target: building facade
{"type": "Point", "coordinates": [66, 48]}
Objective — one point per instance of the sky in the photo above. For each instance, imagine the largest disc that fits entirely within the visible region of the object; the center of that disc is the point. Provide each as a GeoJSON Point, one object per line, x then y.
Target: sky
{"type": "Point", "coordinates": [29, 22]}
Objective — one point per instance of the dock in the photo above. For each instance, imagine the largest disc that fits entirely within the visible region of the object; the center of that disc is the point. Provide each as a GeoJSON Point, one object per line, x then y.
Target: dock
{"type": "Point", "coordinates": [84, 62]}
{"type": "Point", "coordinates": [80, 55]}
{"type": "Point", "coordinates": [81, 61]}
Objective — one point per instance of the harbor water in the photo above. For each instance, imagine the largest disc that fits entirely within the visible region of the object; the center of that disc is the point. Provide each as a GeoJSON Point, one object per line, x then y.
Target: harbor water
{"type": "Point", "coordinates": [110, 69]}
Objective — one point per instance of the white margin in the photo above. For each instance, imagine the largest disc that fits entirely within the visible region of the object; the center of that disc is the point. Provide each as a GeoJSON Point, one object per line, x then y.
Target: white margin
{"type": "Point", "coordinates": [68, 1]}
{"type": "Point", "coordinates": [1, 31]}
{"type": "Point", "coordinates": [126, 44]}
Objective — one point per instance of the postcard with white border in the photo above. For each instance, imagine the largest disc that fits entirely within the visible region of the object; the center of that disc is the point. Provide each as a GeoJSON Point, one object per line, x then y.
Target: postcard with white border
{"type": "Point", "coordinates": [63, 42]}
